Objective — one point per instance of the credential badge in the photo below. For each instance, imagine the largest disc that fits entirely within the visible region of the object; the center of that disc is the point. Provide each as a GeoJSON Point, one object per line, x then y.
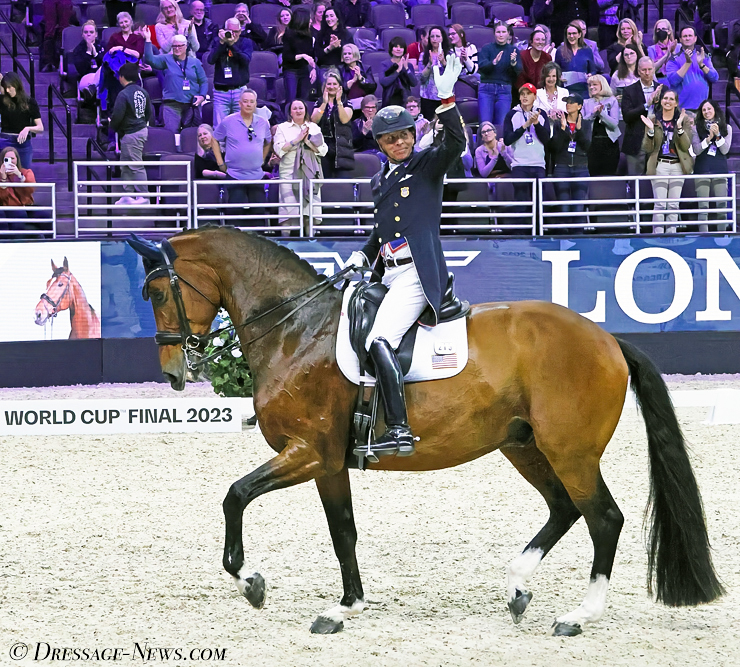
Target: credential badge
{"type": "Point", "coordinates": [404, 192]}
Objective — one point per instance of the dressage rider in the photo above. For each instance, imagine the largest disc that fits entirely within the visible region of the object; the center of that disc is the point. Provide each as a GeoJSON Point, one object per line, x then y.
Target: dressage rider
{"type": "Point", "coordinates": [404, 245]}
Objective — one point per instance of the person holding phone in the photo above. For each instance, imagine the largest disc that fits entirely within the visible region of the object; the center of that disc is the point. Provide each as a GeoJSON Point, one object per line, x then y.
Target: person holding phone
{"type": "Point", "coordinates": [11, 171]}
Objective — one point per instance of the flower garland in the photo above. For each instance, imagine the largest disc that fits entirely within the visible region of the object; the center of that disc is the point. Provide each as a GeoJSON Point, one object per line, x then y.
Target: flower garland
{"type": "Point", "coordinates": [229, 373]}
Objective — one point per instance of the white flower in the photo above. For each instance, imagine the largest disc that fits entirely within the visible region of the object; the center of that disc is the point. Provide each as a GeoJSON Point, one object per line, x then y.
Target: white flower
{"type": "Point", "coordinates": [236, 353]}
{"type": "Point", "coordinates": [224, 325]}
{"type": "Point", "coordinates": [217, 342]}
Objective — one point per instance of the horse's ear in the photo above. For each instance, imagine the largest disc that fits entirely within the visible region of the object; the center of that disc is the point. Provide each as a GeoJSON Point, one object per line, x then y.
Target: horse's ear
{"type": "Point", "coordinates": [66, 264]}
{"type": "Point", "coordinates": [53, 266]}
{"type": "Point", "coordinates": [147, 249]}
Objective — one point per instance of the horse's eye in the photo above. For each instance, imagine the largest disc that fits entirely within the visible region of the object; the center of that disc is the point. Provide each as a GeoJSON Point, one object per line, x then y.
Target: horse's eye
{"type": "Point", "coordinates": [59, 284]}
{"type": "Point", "coordinates": [157, 298]}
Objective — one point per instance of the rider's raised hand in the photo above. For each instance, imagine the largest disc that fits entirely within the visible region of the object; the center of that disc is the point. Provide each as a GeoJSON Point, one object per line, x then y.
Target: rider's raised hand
{"type": "Point", "coordinates": [445, 83]}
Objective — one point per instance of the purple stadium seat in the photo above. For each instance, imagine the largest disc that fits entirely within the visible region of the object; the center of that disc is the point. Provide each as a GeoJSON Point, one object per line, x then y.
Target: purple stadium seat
{"type": "Point", "coordinates": [107, 32]}
{"type": "Point", "coordinates": [468, 14]}
{"type": "Point", "coordinates": [188, 140]}
{"type": "Point", "coordinates": [219, 13]}
{"type": "Point", "coordinates": [388, 16]}
{"type": "Point", "coordinates": [265, 15]}
{"type": "Point", "coordinates": [187, 13]}
{"type": "Point", "coordinates": [372, 60]}
{"type": "Point", "coordinates": [367, 34]}
{"type": "Point", "coordinates": [259, 86]}
{"type": "Point", "coordinates": [264, 64]}
{"type": "Point", "coordinates": [160, 141]}
{"type": "Point", "coordinates": [479, 36]}
{"type": "Point", "coordinates": [99, 14]}
{"type": "Point", "coordinates": [388, 34]}
{"type": "Point", "coordinates": [469, 112]}
{"type": "Point", "coordinates": [426, 15]}
{"type": "Point", "coordinates": [146, 14]}
{"type": "Point", "coordinates": [503, 11]}
{"type": "Point", "coordinates": [522, 34]}
{"type": "Point", "coordinates": [366, 165]}
{"type": "Point", "coordinates": [337, 192]}
{"type": "Point", "coordinates": [464, 91]}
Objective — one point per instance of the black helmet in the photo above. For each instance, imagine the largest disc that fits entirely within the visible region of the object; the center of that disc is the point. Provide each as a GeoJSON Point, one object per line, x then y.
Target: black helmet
{"type": "Point", "coordinates": [392, 119]}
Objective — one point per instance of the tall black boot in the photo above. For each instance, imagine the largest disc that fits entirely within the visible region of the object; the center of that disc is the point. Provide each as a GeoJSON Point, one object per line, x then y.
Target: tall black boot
{"type": "Point", "coordinates": [397, 438]}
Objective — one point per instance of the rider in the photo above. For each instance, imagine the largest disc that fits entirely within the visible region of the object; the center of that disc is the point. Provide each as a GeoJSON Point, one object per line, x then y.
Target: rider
{"type": "Point", "coordinates": [405, 245]}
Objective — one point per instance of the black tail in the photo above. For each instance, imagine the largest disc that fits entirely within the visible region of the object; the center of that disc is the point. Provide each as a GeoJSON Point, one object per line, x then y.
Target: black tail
{"type": "Point", "coordinates": [680, 569]}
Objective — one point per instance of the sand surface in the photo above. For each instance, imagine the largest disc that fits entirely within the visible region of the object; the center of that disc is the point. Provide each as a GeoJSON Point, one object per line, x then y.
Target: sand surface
{"type": "Point", "coordinates": [108, 541]}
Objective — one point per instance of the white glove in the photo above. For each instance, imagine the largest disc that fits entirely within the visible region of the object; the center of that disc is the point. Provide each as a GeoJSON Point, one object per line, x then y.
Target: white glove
{"type": "Point", "coordinates": [357, 260]}
{"type": "Point", "coordinates": [445, 83]}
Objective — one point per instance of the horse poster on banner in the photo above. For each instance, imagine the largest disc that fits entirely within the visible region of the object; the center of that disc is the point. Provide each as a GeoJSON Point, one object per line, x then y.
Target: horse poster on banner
{"type": "Point", "coordinates": [51, 291]}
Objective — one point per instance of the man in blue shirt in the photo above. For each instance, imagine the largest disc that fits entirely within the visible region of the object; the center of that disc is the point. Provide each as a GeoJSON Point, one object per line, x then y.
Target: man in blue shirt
{"type": "Point", "coordinates": [231, 53]}
{"type": "Point", "coordinates": [690, 72]}
{"type": "Point", "coordinates": [185, 83]}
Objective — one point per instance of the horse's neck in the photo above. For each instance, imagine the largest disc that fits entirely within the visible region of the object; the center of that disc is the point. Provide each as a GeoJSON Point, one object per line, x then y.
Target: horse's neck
{"type": "Point", "coordinates": [79, 308]}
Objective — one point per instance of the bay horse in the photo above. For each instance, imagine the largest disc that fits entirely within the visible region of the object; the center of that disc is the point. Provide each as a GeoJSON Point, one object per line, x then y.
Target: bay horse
{"type": "Point", "coordinates": [543, 385]}
{"type": "Point", "coordinates": [63, 292]}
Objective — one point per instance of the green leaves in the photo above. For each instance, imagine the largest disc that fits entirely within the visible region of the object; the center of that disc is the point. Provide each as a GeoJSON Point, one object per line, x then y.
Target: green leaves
{"type": "Point", "coordinates": [229, 372]}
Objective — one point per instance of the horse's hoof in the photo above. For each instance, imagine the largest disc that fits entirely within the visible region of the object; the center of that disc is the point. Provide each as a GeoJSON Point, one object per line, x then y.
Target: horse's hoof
{"type": "Point", "coordinates": [253, 588]}
{"type": "Point", "coordinates": [565, 629]}
{"type": "Point", "coordinates": [518, 606]}
{"type": "Point", "coordinates": [326, 626]}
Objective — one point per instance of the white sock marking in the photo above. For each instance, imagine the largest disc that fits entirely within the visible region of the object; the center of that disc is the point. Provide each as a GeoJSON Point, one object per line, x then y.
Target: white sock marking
{"type": "Point", "coordinates": [241, 579]}
{"type": "Point", "coordinates": [339, 613]}
{"type": "Point", "coordinates": [521, 570]}
{"type": "Point", "coordinates": [593, 606]}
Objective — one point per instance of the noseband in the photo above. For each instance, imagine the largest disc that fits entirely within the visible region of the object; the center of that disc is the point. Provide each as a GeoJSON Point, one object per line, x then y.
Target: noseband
{"type": "Point", "coordinates": [55, 304]}
{"type": "Point", "coordinates": [192, 343]}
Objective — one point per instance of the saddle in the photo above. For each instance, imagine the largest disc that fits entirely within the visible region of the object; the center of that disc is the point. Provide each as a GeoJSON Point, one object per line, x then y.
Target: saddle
{"type": "Point", "coordinates": [363, 308]}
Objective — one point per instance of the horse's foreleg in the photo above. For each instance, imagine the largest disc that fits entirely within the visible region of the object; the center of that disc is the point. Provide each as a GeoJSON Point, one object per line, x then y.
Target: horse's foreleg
{"type": "Point", "coordinates": [337, 500]}
{"type": "Point", "coordinates": [536, 469]}
{"type": "Point", "coordinates": [295, 464]}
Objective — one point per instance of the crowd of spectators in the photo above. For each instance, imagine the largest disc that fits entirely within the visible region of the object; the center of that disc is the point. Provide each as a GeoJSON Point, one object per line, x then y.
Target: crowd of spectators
{"type": "Point", "coordinates": [587, 93]}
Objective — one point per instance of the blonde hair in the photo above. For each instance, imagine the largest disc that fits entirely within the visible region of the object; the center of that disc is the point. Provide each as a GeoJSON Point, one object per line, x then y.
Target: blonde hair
{"type": "Point", "coordinates": [353, 48]}
{"type": "Point", "coordinates": [635, 34]}
{"type": "Point", "coordinates": [92, 23]}
{"type": "Point", "coordinates": [179, 18]}
{"type": "Point", "coordinates": [668, 27]}
{"type": "Point", "coordinates": [606, 90]}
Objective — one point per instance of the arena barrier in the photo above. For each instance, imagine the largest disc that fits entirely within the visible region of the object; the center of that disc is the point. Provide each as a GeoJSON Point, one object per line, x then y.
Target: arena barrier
{"type": "Point", "coordinates": [95, 193]}
{"type": "Point", "coordinates": [628, 201]}
{"type": "Point", "coordinates": [40, 219]}
{"type": "Point", "coordinates": [346, 205]}
{"type": "Point", "coordinates": [210, 206]}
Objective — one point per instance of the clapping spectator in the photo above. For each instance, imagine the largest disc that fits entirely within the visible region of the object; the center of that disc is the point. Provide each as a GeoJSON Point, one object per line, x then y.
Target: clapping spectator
{"type": "Point", "coordinates": [131, 115]}
{"type": "Point", "coordinates": [603, 109]}
{"type": "Point", "coordinates": [204, 27]}
{"type": "Point", "coordinates": [550, 95]}
{"type": "Point", "coordinates": [667, 144]}
{"type": "Point", "coordinates": [126, 40]}
{"type": "Point", "coordinates": [20, 118]}
{"type": "Point", "coordinates": [299, 66]}
{"type": "Point", "coordinates": [710, 144]}
{"type": "Point", "coordinates": [499, 66]}
{"type": "Point", "coordinates": [664, 46]}
{"type": "Point", "coordinates": [362, 128]}
{"type": "Point", "coordinates": [467, 53]}
{"type": "Point", "coordinates": [434, 55]}
{"type": "Point", "coordinates": [11, 171]}
{"type": "Point", "coordinates": [185, 84]}
{"type": "Point", "coordinates": [170, 23]}
{"type": "Point", "coordinates": [533, 59]}
{"type": "Point", "coordinates": [253, 31]}
{"type": "Point", "coordinates": [299, 145]}
{"type": "Point", "coordinates": [637, 100]}
{"type": "Point", "coordinates": [356, 13]}
{"type": "Point", "coordinates": [576, 60]}
{"type": "Point", "coordinates": [492, 157]}
{"type": "Point", "coordinates": [335, 122]}
{"type": "Point", "coordinates": [246, 137]}
{"type": "Point", "coordinates": [398, 76]}
{"type": "Point", "coordinates": [209, 162]}
{"type": "Point", "coordinates": [332, 37]}
{"type": "Point", "coordinates": [690, 72]}
{"type": "Point", "coordinates": [356, 82]}
{"type": "Point", "coordinates": [415, 49]}
{"type": "Point", "coordinates": [231, 53]}
{"type": "Point", "coordinates": [274, 41]}
{"type": "Point", "coordinates": [87, 58]}
{"type": "Point", "coordinates": [627, 33]}
{"type": "Point", "coordinates": [626, 70]}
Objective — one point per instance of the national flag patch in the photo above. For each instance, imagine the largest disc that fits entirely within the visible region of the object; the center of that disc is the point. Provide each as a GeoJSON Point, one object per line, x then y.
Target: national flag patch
{"type": "Point", "coordinates": [444, 361]}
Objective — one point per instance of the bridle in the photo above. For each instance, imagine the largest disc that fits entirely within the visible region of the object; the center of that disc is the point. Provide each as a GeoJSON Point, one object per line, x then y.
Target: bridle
{"type": "Point", "coordinates": [192, 343]}
{"type": "Point", "coordinates": [55, 304]}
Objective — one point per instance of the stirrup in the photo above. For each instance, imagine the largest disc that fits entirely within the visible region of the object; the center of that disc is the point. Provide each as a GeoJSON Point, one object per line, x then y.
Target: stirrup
{"type": "Point", "coordinates": [396, 441]}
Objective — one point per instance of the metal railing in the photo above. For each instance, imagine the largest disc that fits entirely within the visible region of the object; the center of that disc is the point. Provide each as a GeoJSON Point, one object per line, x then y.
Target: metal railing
{"type": "Point", "coordinates": [31, 222]}
{"type": "Point", "coordinates": [352, 210]}
{"type": "Point", "coordinates": [96, 201]}
{"type": "Point", "coordinates": [238, 213]}
{"type": "Point", "coordinates": [634, 210]}
{"type": "Point", "coordinates": [65, 129]}
{"type": "Point", "coordinates": [17, 40]}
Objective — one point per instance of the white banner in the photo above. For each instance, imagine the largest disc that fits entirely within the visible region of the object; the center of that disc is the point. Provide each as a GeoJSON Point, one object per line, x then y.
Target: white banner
{"type": "Point", "coordinates": [132, 415]}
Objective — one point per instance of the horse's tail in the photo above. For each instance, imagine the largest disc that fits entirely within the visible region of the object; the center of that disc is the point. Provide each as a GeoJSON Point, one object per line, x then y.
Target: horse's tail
{"type": "Point", "coordinates": [680, 569]}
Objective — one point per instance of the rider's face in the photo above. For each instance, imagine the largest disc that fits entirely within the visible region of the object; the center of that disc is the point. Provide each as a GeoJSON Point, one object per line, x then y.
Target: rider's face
{"type": "Point", "coordinates": [398, 146]}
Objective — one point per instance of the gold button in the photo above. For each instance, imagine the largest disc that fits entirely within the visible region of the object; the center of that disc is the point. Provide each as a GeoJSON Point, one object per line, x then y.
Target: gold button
{"type": "Point", "coordinates": [380, 240]}
{"type": "Point", "coordinates": [395, 203]}
{"type": "Point", "coordinates": [397, 235]}
{"type": "Point", "coordinates": [376, 224]}
{"type": "Point", "coordinates": [398, 218]}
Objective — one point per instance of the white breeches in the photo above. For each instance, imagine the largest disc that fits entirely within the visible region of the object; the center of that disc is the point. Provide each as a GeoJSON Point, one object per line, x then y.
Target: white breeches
{"type": "Point", "coordinates": [400, 308]}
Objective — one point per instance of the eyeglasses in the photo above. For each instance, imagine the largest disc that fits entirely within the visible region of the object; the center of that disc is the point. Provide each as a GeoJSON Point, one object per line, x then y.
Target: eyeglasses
{"type": "Point", "coordinates": [488, 131]}
{"type": "Point", "coordinates": [370, 107]}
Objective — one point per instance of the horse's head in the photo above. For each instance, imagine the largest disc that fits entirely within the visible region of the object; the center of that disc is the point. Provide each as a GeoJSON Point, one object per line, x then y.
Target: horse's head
{"type": "Point", "coordinates": [185, 301]}
{"type": "Point", "coordinates": [58, 294]}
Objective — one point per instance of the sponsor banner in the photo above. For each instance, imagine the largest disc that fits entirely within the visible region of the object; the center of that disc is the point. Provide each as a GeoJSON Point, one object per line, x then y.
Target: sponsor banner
{"type": "Point", "coordinates": [67, 273]}
{"type": "Point", "coordinates": [85, 417]}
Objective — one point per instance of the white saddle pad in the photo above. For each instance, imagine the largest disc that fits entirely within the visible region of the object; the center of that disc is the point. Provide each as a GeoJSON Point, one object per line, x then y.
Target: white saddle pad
{"type": "Point", "coordinates": [440, 352]}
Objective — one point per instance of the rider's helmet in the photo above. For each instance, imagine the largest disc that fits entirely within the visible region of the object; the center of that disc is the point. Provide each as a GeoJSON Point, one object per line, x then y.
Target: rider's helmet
{"type": "Point", "coordinates": [392, 119]}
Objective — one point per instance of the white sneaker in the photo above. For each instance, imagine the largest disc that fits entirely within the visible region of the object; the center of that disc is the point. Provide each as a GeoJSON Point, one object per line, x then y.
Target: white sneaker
{"type": "Point", "coordinates": [124, 200]}
{"type": "Point", "coordinates": [138, 201]}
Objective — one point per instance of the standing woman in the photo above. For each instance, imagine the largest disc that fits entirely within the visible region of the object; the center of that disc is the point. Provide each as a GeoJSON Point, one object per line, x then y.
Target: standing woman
{"type": "Point", "coordinates": [467, 53]}
{"type": "Point", "coordinates": [435, 54]}
{"type": "Point", "coordinates": [300, 146]}
{"type": "Point", "coordinates": [667, 143]}
{"type": "Point", "coordinates": [534, 59]}
{"type": "Point", "coordinates": [356, 82]}
{"type": "Point", "coordinates": [317, 16]}
{"type": "Point", "coordinates": [664, 46]}
{"type": "Point", "coordinates": [576, 60]}
{"type": "Point", "coordinates": [603, 110]}
{"type": "Point", "coordinates": [274, 41]}
{"type": "Point", "coordinates": [627, 33]}
{"type": "Point", "coordinates": [710, 144]}
{"type": "Point", "coordinates": [626, 73]}
{"type": "Point", "coordinates": [550, 95]}
{"type": "Point", "coordinates": [499, 66]}
{"type": "Point", "coordinates": [332, 37]}
{"type": "Point", "coordinates": [335, 122]}
{"type": "Point", "coordinates": [398, 74]}
{"type": "Point", "coordinates": [299, 67]}
{"type": "Point", "coordinates": [19, 118]}
{"type": "Point", "coordinates": [170, 22]}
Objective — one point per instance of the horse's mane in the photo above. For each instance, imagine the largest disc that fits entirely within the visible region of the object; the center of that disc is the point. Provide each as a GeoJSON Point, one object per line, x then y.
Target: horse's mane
{"type": "Point", "coordinates": [245, 237]}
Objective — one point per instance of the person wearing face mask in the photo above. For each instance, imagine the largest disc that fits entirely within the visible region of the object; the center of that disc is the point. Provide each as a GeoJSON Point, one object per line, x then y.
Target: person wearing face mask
{"type": "Point", "coordinates": [499, 65]}
{"type": "Point", "coordinates": [664, 47]}
{"type": "Point", "coordinates": [533, 60]}
{"type": "Point", "coordinates": [398, 76]}
{"type": "Point", "coordinates": [690, 72]}
{"type": "Point", "coordinates": [667, 143]}
{"type": "Point", "coordinates": [710, 144]}
{"type": "Point", "coordinates": [637, 100]}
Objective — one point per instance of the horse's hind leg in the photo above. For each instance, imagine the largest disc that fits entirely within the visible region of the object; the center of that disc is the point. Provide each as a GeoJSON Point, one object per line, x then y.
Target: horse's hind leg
{"type": "Point", "coordinates": [337, 500]}
{"type": "Point", "coordinates": [536, 469]}
{"type": "Point", "coordinates": [294, 465]}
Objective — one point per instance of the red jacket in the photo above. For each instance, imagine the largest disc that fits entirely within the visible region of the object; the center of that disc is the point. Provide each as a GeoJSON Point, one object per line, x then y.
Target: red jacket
{"type": "Point", "coordinates": [17, 196]}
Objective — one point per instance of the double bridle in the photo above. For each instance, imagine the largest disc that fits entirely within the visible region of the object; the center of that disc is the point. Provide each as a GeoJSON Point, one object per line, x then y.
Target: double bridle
{"type": "Point", "coordinates": [192, 343]}
{"type": "Point", "coordinates": [55, 304]}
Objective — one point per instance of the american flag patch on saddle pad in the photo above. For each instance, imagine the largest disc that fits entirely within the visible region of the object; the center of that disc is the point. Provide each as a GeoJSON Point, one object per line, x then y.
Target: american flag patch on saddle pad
{"type": "Point", "coordinates": [444, 361]}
